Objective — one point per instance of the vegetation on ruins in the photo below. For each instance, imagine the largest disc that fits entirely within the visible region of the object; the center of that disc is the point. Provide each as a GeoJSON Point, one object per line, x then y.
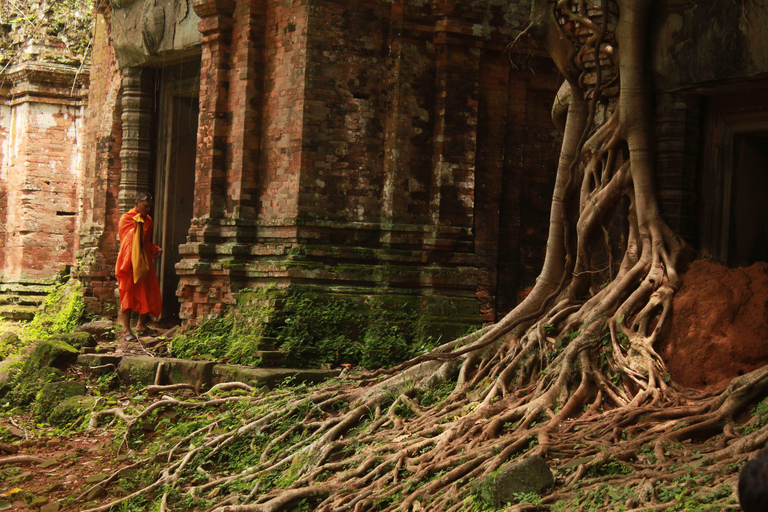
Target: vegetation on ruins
{"type": "Point", "coordinates": [313, 329]}
{"type": "Point", "coordinates": [572, 374]}
{"type": "Point", "coordinates": [58, 31]}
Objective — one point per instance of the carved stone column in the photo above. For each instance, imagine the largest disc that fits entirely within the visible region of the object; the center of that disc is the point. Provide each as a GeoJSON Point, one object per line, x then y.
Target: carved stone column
{"type": "Point", "coordinates": [135, 153]}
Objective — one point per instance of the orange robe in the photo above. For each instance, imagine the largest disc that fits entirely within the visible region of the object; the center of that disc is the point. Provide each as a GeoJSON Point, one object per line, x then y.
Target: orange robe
{"type": "Point", "coordinates": [143, 296]}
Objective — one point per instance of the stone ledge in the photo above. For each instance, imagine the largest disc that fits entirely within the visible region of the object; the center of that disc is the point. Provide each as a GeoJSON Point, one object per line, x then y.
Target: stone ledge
{"type": "Point", "coordinates": [202, 374]}
{"type": "Point", "coordinates": [18, 313]}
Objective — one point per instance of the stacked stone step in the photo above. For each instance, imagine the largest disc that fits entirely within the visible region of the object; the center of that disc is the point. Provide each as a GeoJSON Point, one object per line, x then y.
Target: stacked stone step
{"type": "Point", "coordinates": [21, 301]}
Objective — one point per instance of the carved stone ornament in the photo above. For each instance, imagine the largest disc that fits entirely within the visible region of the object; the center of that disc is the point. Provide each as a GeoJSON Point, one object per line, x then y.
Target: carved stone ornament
{"type": "Point", "coordinates": [152, 25]}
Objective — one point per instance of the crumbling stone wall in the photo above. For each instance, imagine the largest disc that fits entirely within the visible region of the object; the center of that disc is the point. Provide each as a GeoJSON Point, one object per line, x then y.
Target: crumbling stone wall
{"type": "Point", "coordinates": [41, 119]}
{"type": "Point", "coordinates": [101, 172]}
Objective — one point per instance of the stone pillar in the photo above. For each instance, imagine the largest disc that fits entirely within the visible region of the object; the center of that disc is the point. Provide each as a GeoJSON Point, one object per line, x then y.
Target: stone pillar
{"type": "Point", "coordinates": [216, 21]}
{"type": "Point", "coordinates": [455, 134]}
{"type": "Point", "coordinates": [204, 285]}
{"type": "Point", "coordinates": [41, 110]}
{"type": "Point", "coordinates": [407, 127]}
{"type": "Point", "coordinates": [677, 150]}
{"type": "Point", "coordinates": [135, 153]}
{"type": "Point", "coordinates": [246, 89]}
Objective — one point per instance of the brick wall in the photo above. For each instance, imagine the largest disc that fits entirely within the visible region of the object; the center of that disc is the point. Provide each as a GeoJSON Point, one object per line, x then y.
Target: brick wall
{"type": "Point", "coordinates": [340, 146]}
{"type": "Point", "coordinates": [5, 116]}
{"type": "Point", "coordinates": [41, 131]}
{"type": "Point", "coordinates": [99, 213]}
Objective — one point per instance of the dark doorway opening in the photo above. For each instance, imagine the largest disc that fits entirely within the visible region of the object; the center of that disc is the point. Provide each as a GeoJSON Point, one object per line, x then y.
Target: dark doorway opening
{"type": "Point", "coordinates": [175, 182]}
{"type": "Point", "coordinates": [732, 209]}
{"type": "Point", "coordinates": [748, 230]}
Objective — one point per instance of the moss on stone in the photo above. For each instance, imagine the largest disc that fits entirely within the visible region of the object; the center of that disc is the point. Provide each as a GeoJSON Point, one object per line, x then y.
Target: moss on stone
{"type": "Point", "coordinates": [52, 352]}
{"type": "Point", "coordinates": [76, 340]}
{"type": "Point", "coordinates": [72, 409]}
{"type": "Point", "coordinates": [26, 385]}
{"type": "Point", "coordinates": [53, 393]}
{"type": "Point", "coordinates": [10, 344]}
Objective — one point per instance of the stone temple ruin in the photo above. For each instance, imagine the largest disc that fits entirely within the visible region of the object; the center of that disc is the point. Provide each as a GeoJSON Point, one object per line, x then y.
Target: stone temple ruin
{"type": "Point", "coordinates": [379, 148]}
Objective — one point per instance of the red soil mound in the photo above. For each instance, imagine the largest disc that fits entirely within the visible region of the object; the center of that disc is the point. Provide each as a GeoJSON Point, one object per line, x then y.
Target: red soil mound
{"type": "Point", "coordinates": [719, 325]}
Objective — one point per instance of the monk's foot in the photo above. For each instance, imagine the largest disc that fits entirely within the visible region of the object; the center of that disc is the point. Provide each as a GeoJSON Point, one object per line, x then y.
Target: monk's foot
{"type": "Point", "coordinates": [129, 337]}
{"type": "Point", "coordinates": [146, 331]}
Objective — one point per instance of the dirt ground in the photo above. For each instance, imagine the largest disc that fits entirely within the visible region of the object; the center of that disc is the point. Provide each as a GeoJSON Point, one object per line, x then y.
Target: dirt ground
{"type": "Point", "coordinates": [719, 326]}
{"type": "Point", "coordinates": [60, 471]}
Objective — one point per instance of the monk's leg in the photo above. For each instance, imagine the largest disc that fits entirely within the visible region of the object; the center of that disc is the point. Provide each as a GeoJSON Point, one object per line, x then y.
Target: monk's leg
{"type": "Point", "coordinates": [125, 319]}
{"type": "Point", "coordinates": [141, 325]}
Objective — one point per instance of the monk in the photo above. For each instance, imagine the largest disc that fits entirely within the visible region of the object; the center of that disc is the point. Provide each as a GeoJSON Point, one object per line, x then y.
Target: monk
{"type": "Point", "coordinates": [139, 291]}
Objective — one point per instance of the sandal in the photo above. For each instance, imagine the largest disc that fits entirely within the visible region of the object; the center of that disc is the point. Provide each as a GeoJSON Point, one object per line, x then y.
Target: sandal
{"type": "Point", "coordinates": [148, 332]}
{"type": "Point", "coordinates": [130, 337]}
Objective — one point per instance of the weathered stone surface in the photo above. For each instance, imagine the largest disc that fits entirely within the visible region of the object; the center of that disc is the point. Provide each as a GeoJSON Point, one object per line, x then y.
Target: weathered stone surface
{"type": "Point", "coordinates": [137, 370]}
{"type": "Point", "coordinates": [102, 330]}
{"type": "Point", "coordinates": [178, 371]}
{"type": "Point", "coordinates": [6, 370]}
{"type": "Point", "coordinates": [270, 377]}
{"type": "Point", "coordinates": [91, 360]}
{"type": "Point", "coordinates": [76, 339]}
{"type": "Point", "coordinates": [53, 506]}
{"type": "Point", "coordinates": [9, 338]}
{"type": "Point", "coordinates": [52, 352]}
{"type": "Point", "coordinates": [50, 462]}
{"type": "Point", "coordinates": [144, 29]}
{"type": "Point", "coordinates": [530, 474]}
{"type": "Point", "coordinates": [39, 178]}
{"type": "Point", "coordinates": [96, 478]}
{"type": "Point", "coordinates": [96, 492]}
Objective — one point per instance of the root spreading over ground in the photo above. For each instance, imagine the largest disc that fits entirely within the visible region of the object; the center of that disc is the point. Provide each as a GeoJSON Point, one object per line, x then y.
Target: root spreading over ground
{"type": "Point", "coordinates": [572, 374]}
{"type": "Point", "coordinates": [416, 438]}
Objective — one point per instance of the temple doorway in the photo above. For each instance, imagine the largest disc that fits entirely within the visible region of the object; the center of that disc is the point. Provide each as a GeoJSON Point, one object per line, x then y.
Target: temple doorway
{"type": "Point", "coordinates": [733, 216]}
{"type": "Point", "coordinates": [178, 109]}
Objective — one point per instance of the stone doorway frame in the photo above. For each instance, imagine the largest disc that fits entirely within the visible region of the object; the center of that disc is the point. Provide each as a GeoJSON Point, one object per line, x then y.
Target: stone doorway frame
{"type": "Point", "coordinates": [733, 112]}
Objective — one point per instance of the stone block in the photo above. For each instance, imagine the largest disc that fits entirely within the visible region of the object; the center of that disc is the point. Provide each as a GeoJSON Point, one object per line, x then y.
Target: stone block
{"type": "Point", "coordinates": [76, 339]}
{"type": "Point", "coordinates": [180, 371]}
{"type": "Point", "coordinates": [527, 475]}
{"type": "Point", "coordinates": [102, 330]}
{"type": "Point", "coordinates": [100, 360]}
{"type": "Point", "coordinates": [137, 370]}
{"type": "Point", "coordinates": [52, 352]}
{"type": "Point", "coordinates": [53, 393]}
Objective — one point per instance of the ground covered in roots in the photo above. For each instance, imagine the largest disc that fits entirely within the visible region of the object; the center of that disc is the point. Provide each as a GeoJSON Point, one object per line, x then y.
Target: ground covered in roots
{"type": "Point", "coordinates": [423, 437]}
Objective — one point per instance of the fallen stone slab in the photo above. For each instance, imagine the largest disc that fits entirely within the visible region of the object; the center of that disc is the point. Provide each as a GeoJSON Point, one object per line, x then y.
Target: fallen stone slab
{"type": "Point", "coordinates": [138, 370]}
{"type": "Point", "coordinates": [202, 374]}
{"type": "Point", "coordinates": [270, 377]}
{"type": "Point", "coordinates": [143, 370]}
{"type": "Point", "coordinates": [102, 330]}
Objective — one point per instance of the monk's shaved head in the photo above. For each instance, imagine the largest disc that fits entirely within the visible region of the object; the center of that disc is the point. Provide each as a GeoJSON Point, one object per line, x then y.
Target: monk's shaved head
{"type": "Point", "coordinates": [143, 195]}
